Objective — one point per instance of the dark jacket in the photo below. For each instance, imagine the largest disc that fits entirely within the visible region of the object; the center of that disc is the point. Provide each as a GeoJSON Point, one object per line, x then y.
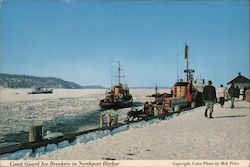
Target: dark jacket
{"type": "Point", "coordinates": [237, 92]}
{"type": "Point", "coordinates": [232, 91]}
{"type": "Point", "coordinates": [209, 93]}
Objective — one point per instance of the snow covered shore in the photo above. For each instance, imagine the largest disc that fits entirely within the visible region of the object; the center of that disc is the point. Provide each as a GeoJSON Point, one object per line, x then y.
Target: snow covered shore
{"type": "Point", "coordinates": [187, 136]}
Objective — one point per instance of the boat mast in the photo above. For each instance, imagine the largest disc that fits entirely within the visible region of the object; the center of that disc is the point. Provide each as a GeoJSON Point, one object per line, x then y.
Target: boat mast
{"type": "Point", "coordinates": [186, 57]}
{"type": "Point", "coordinates": [188, 71]}
{"type": "Point", "coordinates": [177, 67]}
{"type": "Point", "coordinates": [111, 78]}
{"type": "Point", "coordinates": [119, 73]}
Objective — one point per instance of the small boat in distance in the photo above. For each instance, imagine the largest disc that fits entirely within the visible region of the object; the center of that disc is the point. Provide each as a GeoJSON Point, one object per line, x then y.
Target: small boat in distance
{"type": "Point", "coordinates": [41, 90]}
{"type": "Point", "coordinates": [118, 96]}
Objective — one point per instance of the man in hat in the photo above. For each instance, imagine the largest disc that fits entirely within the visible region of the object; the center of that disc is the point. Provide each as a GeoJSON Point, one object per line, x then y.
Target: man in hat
{"type": "Point", "coordinates": [209, 96]}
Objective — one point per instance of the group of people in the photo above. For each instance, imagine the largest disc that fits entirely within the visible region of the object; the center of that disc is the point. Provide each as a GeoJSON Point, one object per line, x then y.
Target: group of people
{"type": "Point", "coordinates": [233, 92]}
{"type": "Point", "coordinates": [209, 96]}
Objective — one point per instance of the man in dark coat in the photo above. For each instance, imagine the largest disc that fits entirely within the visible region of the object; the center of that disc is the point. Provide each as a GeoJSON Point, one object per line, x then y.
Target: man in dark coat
{"type": "Point", "coordinates": [237, 92]}
{"type": "Point", "coordinates": [232, 93]}
{"type": "Point", "coordinates": [209, 96]}
{"type": "Point", "coordinates": [244, 93]}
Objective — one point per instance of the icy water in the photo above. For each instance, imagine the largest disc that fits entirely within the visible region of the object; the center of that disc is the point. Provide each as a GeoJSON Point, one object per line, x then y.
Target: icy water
{"type": "Point", "coordinates": [63, 112]}
{"type": "Point", "coordinates": [59, 126]}
{"type": "Point", "coordinates": [68, 125]}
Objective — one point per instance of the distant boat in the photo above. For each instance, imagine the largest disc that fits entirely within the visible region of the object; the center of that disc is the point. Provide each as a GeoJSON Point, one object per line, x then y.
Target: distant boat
{"type": "Point", "coordinates": [118, 96]}
{"type": "Point", "coordinates": [41, 90]}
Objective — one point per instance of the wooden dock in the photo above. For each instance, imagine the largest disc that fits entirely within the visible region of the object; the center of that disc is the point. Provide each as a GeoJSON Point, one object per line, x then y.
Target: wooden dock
{"type": "Point", "coordinates": [14, 146]}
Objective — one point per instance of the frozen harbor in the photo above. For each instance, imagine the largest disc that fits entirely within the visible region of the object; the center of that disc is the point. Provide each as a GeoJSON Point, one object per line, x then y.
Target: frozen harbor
{"type": "Point", "coordinates": [63, 112]}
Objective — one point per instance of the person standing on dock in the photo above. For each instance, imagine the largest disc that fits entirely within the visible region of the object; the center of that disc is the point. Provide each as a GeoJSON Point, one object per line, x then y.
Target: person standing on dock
{"type": "Point", "coordinates": [221, 93]}
{"type": "Point", "coordinates": [244, 93]}
{"type": "Point", "coordinates": [237, 92]}
{"type": "Point", "coordinates": [209, 96]}
{"type": "Point", "coordinates": [232, 93]}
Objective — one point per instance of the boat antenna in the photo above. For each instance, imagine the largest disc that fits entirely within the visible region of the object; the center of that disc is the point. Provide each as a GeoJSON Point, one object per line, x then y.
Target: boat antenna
{"type": "Point", "coordinates": [186, 57]}
{"type": "Point", "coordinates": [111, 78]}
{"type": "Point", "coordinates": [177, 67]}
{"type": "Point", "coordinates": [119, 73]}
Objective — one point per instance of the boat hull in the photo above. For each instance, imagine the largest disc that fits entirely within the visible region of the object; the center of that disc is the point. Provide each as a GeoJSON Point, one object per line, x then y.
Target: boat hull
{"type": "Point", "coordinates": [116, 105]}
{"type": "Point", "coordinates": [41, 91]}
{"type": "Point", "coordinates": [47, 92]}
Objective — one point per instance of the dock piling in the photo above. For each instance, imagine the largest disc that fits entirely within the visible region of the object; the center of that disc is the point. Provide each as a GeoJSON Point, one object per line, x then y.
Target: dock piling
{"type": "Point", "coordinates": [115, 120]}
{"type": "Point", "coordinates": [108, 120]}
{"type": "Point", "coordinates": [35, 133]}
{"type": "Point", "coordinates": [101, 120]}
{"type": "Point", "coordinates": [193, 105]}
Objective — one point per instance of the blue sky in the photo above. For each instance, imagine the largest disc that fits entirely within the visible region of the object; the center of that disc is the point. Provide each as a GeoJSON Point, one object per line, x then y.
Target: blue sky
{"type": "Point", "coordinates": [82, 41]}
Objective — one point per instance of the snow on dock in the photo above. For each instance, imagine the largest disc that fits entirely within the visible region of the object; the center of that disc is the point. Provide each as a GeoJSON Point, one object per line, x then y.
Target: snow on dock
{"type": "Point", "coordinates": [187, 136]}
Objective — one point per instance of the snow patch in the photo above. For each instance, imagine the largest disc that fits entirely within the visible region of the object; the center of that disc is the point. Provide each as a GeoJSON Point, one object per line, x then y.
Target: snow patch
{"type": "Point", "coordinates": [63, 144]}
{"type": "Point", "coordinates": [92, 136]}
{"type": "Point", "coordinates": [16, 155]}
